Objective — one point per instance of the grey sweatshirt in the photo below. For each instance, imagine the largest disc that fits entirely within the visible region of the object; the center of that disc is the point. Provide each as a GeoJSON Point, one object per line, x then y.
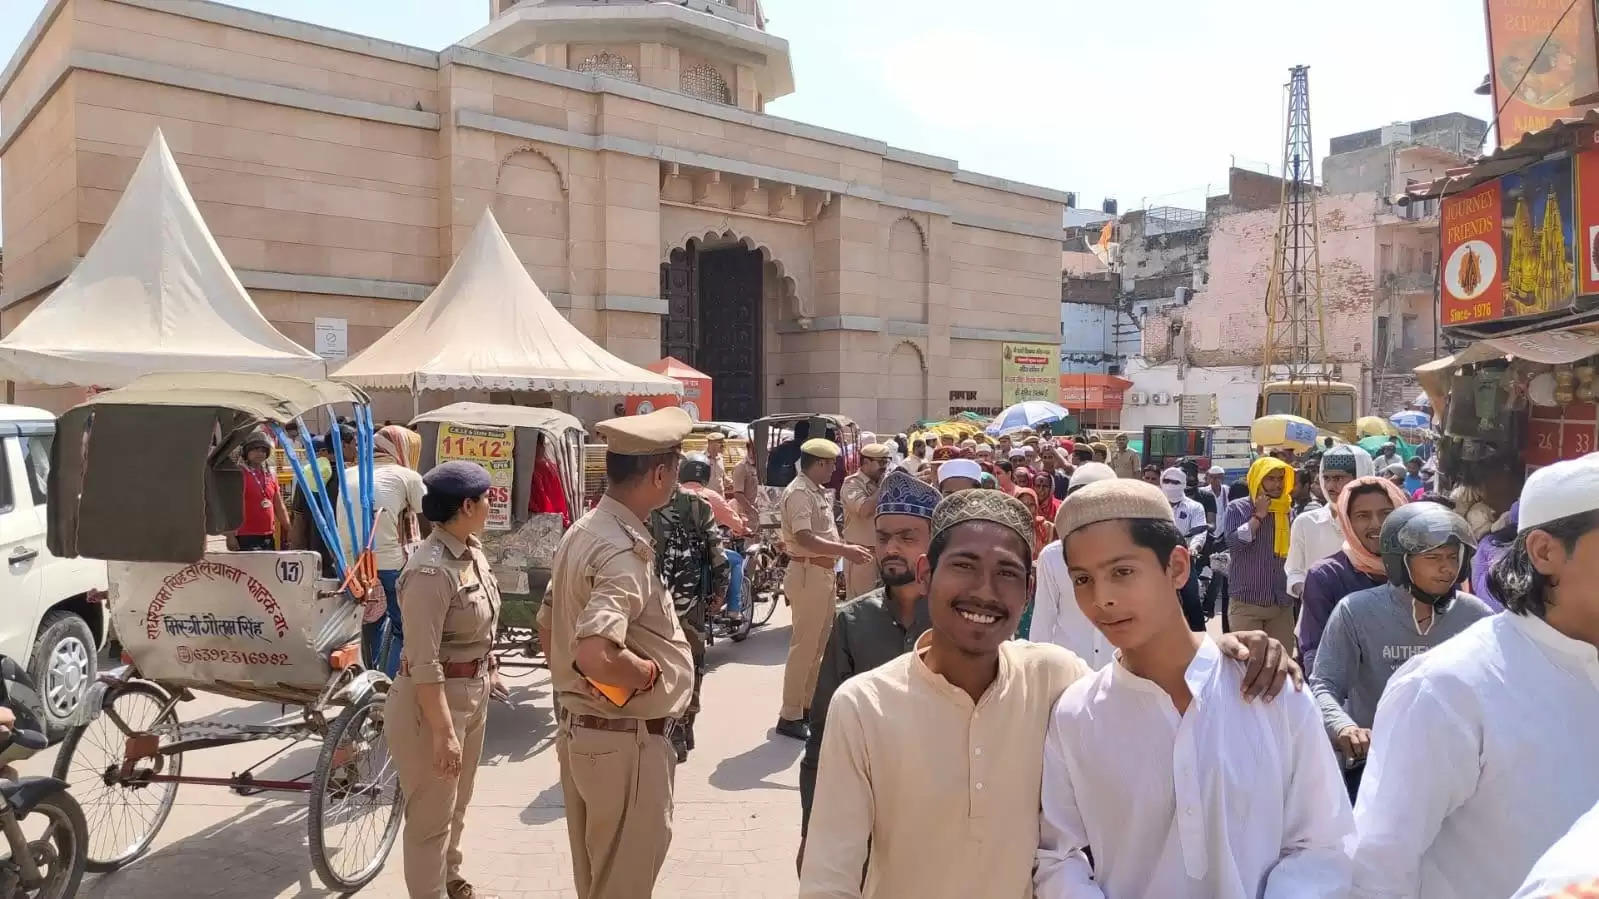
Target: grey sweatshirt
{"type": "Point", "coordinates": [1368, 636]}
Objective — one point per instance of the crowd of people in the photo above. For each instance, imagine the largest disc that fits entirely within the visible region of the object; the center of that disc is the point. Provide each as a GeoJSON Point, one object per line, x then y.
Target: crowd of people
{"type": "Point", "coordinates": [1021, 695]}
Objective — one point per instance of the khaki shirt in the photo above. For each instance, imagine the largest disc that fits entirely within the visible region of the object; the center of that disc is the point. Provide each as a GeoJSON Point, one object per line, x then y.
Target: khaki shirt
{"type": "Point", "coordinates": [896, 729]}
{"type": "Point", "coordinates": [744, 489]}
{"type": "Point", "coordinates": [449, 605]}
{"type": "Point", "coordinates": [719, 481]}
{"type": "Point", "coordinates": [603, 583]}
{"type": "Point", "coordinates": [859, 493]}
{"type": "Point", "coordinates": [1124, 462]}
{"type": "Point", "coordinates": [806, 507]}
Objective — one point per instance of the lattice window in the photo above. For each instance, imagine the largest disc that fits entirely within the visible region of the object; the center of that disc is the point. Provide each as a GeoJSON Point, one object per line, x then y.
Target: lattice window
{"type": "Point", "coordinates": [607, 63]}
{"type": "Point", "coordinates": [705, 82]}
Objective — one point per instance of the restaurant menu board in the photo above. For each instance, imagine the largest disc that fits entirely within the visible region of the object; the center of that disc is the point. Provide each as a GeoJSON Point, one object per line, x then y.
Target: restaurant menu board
{"type": "Point", "coordinates": [1509, 246]}
{"type": "Point", "coordinates": [492, 448]}
{"type": "Point", "coordinates": [1557, 433]}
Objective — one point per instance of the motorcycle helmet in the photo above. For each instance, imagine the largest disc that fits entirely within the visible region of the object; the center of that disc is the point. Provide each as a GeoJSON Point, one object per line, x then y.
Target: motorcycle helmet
{"type": "Point", "coordinates": [695, 468]}
{"type": "Point", "coordinates": [19, 694]}
{"type": "Point", "coordinates": [1418, 528]}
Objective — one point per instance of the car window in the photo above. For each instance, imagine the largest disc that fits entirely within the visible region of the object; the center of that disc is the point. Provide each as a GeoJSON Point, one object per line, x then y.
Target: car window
{"type": "Point", "coordinates": [1338, 408]}
{"type": "Point", "coordinates": [1281, 404]}
{"type": "Point", "coordinates": [36, 462]}
{"type": "Point", "coordinates": [6, 502]}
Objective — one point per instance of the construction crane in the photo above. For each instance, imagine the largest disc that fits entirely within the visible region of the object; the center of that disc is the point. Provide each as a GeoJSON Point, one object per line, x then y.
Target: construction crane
{"type": "Point", "coordinates": [1294, 375]}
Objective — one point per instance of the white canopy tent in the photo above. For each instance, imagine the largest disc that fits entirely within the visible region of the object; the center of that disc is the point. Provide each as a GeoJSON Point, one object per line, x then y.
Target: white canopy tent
{"type": "Point", "coordinates": [487, 326]}
{"type": "Point", "coordinates": [154, 294]}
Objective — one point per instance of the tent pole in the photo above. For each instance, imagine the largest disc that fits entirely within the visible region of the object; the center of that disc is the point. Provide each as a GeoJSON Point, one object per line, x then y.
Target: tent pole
{"type": "Point", "coordinates": [416, 404]}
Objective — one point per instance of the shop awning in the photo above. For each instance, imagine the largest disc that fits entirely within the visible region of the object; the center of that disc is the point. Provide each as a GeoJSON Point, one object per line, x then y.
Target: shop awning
{"type": "Point", "coordinates": [487, 326]}
{"type": "Point", "coordinates": [1558, 347]}
{"type": "Point", "coordinates": [1093, 391]}
{"type": "Point", "coordinates": [154, 294]}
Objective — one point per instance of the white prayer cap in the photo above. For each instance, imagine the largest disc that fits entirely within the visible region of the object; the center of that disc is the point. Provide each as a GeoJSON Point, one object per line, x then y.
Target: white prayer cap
{"type": "Point", "coordinates": [1217, 469]}
{"type": "Point", "coordinates": [1560, 491]}
{"type": "Point", "coordinates": [1017, 453]}
{"type": "Point", "coordinates": [960, 468]}
{"type": "Point", "coordinates": [1091, 473]}
{"type": "Point", "coordinates": [1347, 457]}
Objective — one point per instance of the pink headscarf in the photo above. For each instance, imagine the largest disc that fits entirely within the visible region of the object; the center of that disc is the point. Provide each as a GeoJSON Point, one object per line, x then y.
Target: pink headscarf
{"type": "Point", "coordinates": [1365, 562]}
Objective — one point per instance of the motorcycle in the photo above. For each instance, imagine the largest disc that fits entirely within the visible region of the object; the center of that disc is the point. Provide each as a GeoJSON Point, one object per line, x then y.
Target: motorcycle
{"type": "Point", "coordinates": [46, 846]}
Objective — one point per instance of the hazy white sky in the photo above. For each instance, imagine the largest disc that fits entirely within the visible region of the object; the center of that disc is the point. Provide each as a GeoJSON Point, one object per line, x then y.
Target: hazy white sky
{"type": "Point", "coordinates": [1144, 101]}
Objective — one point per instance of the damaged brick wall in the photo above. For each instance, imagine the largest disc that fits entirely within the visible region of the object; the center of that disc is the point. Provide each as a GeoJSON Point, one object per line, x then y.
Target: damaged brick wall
{"type": "Point", "coordinates": [1225, 323]}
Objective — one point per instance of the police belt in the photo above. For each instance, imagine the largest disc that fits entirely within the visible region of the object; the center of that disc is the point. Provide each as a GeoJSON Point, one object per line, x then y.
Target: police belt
{"type": "Point", "coordinates": [819, 562]}
{"type": "Point", "coordinates": [455, 670]}
{"type": "Point", "coordinates": [661, 727]}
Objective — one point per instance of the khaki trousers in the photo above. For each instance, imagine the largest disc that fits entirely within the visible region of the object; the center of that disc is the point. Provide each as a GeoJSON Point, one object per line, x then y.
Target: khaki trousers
{"type": "Point", "coordinates": [810, 590]}
{"type": "Point", "coordinates": [618, 788]}
{"type": "Point", "coordinates": [859, 579]}
{"type": "Point", "coordinates": [1276, 621]}
{"type": "Point", "coordinates": [435, 806]}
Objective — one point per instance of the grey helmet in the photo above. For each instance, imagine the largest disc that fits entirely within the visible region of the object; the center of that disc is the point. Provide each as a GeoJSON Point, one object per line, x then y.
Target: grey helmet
{"type": "Point", "coordinates": [1417, 528]}
{"type": "Point", "coordinates": [695, 468]}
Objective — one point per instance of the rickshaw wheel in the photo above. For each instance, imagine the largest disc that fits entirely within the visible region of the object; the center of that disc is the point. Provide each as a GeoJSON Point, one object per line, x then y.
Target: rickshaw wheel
{"type": "Point", "coordinates": [355, 800]}
{"type": "Point", "coordinates": [123, 819]}
{"type": "Point", "coordinates": [746, 609]}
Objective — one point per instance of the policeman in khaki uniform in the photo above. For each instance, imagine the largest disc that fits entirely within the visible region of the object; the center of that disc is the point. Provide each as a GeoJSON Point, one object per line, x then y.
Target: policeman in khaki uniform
{"type": "Point", "coordinates": [620, 665]}
{"type": "Point", "coordinates": [859, 494]}
{"type": "Point", "coordinates": [434, 716]}
{"type": "Point", "coordinates": [814, 546]}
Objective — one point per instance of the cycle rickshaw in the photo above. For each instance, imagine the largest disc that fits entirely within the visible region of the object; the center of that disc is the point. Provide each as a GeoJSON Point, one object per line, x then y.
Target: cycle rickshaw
{"type": "Point", "coordinates": [146, 477]}
{"type": "Point", "coordinates": [519, 544]}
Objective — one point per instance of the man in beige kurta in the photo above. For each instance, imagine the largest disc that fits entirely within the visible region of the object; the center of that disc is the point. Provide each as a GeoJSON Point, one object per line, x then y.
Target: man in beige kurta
{"type": "Point", "coordinates": [859, 494]}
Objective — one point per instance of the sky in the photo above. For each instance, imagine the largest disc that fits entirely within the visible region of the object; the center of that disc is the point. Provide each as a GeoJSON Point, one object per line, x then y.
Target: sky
{"type": "Point", "coordinates": [1147, 102]}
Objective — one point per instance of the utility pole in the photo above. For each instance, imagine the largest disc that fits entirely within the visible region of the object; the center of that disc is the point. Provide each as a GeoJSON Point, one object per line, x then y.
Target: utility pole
{"type": "Point", "coordinates": [1295, 333]}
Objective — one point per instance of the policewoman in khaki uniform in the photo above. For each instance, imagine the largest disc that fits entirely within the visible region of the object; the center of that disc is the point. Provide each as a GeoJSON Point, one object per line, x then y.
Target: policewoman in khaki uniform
{"type": "Point", "coordinates": [621, 666]}
{"type": "Point", "coordinates": [449, 605]}
{"type": "Point", "coordinates": [859, 495]}
{"type": "Point", "coordinates": [814, 546]}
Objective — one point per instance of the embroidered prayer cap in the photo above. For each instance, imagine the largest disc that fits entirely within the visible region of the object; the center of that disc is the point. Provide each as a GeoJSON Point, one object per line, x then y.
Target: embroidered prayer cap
{"type": "Point", "coordinates": [984, 505]}
{"type": "Point", "coordinates": [1113, 500]}
{"type": "Point", "coordinates": [1349, 459]}
{"type": "Point", "coordinates": [875, 451]}
{"type": "Point", "coordinates": [903, 493]}
{"type": "Point", "coordinates": [1560, 491]}
{"type": "Point", "coordinates": [960, 468]}
{"type": "Point", "coordinates": [659, 432]}
{"type": "Point", "coordinates": [820, 447]}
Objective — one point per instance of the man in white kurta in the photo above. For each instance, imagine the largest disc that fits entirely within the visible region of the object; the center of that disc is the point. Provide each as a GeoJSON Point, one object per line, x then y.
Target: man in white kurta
{"type": "Point", "coordinates": [1056, 618]}
{"type": "Point", "coordinates": [1572, 862]}
{"type": "Point", "coordinates": [1315, 533]}
{"type": "Point", "coordinates": [1484, 749]}
{"type": "Point", "coordinates": [1181, 789]}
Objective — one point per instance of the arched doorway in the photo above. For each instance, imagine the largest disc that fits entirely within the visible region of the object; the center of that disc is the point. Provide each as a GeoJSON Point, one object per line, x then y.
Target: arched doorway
{"type": "Point", "coordinates": [714, 322]}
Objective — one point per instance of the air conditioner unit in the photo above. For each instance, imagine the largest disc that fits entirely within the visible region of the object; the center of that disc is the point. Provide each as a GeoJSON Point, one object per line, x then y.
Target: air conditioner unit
{"type": "Point", "coordinates": [1137, 398]}
{"type": "Point", "coordinates": [1161, 399]}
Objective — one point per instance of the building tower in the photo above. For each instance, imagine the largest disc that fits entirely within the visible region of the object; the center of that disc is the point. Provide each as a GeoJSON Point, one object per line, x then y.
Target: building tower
{"type": "Point", "coordinates": [1296, 343]}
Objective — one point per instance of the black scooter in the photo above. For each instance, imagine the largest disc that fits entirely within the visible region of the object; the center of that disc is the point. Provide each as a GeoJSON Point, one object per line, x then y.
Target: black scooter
{"type": "Point", "coordinates": [46, 844]}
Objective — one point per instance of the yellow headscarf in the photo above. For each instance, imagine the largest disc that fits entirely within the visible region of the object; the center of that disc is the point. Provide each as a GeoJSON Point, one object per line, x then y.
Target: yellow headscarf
{"type": "Point", "coordinates": [1280, 506]}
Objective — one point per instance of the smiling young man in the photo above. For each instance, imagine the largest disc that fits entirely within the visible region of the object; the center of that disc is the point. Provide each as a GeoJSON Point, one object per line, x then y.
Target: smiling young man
{"type": "Point", "coordinates": [1160, 780]}
{"type": "Point", "coordinates": [931, 763]}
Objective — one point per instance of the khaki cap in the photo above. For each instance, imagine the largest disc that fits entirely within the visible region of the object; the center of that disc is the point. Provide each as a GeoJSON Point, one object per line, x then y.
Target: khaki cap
{"type": "Point", "coordinates": [660, 431]}
{"type": "Point", "coordinates": [820, 447]}
{"type": "Point", "coordinates": [1113, 500]}
{"type": "Point", "coordinates": [714, 437]}
{"type": "Point", "coordinates": [875, 451]}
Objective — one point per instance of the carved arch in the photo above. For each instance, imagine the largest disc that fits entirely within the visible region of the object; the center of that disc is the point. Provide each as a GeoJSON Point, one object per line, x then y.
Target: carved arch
{"type": "Point", "coordinates": [560, 176]}
{"type": "Point", "coordinates": [793, 306]}
{"type": "Point", "coordinates": [921, 232]}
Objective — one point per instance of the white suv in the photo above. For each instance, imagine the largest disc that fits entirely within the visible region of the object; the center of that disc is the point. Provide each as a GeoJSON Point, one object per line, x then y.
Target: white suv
{"type": "Point", "coordinates": [52, 615]}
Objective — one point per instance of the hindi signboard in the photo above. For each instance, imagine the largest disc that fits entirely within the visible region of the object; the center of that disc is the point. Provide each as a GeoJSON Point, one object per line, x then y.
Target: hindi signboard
{"type": "Point", "coordinates": [1029, 371]}
{"type": "Point", "coordinates": [492, 448]}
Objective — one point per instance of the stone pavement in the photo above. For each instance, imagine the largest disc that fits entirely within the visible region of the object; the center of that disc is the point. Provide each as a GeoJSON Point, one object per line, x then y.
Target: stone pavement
{"type": "Point", "coordinates": [737, 803]}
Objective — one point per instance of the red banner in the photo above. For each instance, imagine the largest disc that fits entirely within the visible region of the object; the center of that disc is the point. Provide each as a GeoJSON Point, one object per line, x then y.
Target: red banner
{"type": "Point", "coordinates": [1472, 249]}
{"type": "Point", "coordinates": [1542, 55]}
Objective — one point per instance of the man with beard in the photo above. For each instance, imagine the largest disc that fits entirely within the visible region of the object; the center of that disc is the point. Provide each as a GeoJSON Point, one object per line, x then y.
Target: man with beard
{"type": "Point", "coordinates": [931, 765]}
{"type": "Point", "coordinates": [881, 625]}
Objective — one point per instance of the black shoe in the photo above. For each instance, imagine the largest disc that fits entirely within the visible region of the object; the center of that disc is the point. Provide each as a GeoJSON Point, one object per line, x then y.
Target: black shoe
{"type": "Point", "coordinates": [680, 744]}
{"type": "Point", "coordinates": [688, 736]}
{"type": "Point", "coordinates": [796, 728]}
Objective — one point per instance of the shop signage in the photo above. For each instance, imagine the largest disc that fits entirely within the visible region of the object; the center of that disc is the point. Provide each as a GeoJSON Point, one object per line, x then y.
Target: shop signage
{"type": "Point", "coordinates": [1509, 246]}
{"type": "Point", "coordinates": [1542, 56]}
{"type": "Point", "coordinates": [1029, 371]}
{"type": "Point", "coordinates": [492, 448]}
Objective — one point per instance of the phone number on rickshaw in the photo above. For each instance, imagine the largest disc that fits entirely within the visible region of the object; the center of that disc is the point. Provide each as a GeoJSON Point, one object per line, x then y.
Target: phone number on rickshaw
{"type": "Point", "coordinates": [231, 656]}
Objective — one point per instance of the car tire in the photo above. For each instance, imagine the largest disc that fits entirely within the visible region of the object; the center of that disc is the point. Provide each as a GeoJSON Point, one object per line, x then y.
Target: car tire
{"type": "Point", "coordinates": [63, 659]}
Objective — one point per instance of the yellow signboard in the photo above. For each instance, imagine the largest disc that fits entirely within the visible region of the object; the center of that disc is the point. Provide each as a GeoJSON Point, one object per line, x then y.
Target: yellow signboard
{"type": "Point", "coordinates": [492, 448]}
{"type": "Point", "coordinates": [1029, 371]}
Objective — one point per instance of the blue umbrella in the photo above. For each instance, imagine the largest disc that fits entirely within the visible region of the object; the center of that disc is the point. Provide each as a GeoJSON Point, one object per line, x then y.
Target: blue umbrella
{"type": "Point", "coordinates": [1411, 419]}
{"type": "Point", "coordinates": [1030, 414]}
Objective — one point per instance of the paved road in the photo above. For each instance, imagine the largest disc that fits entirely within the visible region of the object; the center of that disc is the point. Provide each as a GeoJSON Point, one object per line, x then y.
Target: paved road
{"type": "Point", "coordinates": [737, 808]}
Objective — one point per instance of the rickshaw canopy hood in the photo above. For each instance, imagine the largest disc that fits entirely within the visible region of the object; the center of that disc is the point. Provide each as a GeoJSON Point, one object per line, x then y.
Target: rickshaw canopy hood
{"type": "Point", "coordinates": [489, 415]}
{"type": "Point", "coordinates": [145, 473]}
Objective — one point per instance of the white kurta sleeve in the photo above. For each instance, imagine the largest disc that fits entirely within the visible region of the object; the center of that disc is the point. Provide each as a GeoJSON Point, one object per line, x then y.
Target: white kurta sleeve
{"type": "Point", "coordinates": [841, 814]}
{"type": "Point", "coordinates": [1046, 600]}
{"type": "Point", "coordinates": [1423, 764]}
{"type": "Point", "coordinates": [1318, 826]}
{"type": "Point", "coordinates": [1299, 561]}
{"type": "Point", "coordinates": [1062, 870]}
